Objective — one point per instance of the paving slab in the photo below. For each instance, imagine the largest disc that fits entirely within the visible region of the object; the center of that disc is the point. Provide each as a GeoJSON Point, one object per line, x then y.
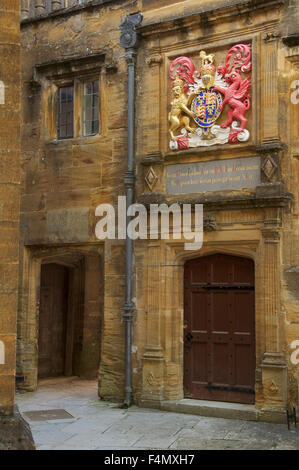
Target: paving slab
{"type": "Point", "coordinates": [105, 426]}
{"type": "Point", "coordinates": [221, 444]}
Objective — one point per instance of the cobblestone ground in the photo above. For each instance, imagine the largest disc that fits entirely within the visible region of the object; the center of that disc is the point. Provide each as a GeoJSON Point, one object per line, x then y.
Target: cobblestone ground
{"type": "Point", "coordinates": [101, 425]}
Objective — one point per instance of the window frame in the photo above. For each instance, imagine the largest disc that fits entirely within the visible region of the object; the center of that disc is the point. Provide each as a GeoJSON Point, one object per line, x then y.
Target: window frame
{"type": "Point", "coordinates": [58, 120]}
{"type": "Point", "coordinates": [78, 113]}
{"type": "Point", "coordinates": [83, 120]}
{"type": "Point", "coordinates": [51, 76]}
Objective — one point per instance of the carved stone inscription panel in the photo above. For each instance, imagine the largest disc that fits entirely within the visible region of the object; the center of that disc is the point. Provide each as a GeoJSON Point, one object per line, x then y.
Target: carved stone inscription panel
{"type": "Point", "coordinates": [216, 175]}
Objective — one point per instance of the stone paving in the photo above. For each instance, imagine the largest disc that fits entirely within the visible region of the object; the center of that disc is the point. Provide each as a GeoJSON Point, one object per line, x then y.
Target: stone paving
{"type": "Point", "coordinates": [101, 425]}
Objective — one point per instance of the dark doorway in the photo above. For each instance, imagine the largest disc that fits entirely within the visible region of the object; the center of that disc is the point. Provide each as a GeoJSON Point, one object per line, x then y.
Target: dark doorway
{"type": "Point", "coordinates": [53, 320]}
{"type": "Point", "coordinates": [219, 333]}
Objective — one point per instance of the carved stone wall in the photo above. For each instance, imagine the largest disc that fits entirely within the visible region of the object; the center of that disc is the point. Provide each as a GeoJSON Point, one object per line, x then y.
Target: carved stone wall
{"type": "Point", "coordinates": [76, 175]}
{"type": "Point", "coordinates": [247, 222]}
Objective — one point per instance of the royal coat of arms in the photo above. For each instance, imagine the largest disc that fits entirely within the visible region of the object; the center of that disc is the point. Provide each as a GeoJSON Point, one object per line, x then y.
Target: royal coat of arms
{"type": "Point", "coordinates": [200, 96]}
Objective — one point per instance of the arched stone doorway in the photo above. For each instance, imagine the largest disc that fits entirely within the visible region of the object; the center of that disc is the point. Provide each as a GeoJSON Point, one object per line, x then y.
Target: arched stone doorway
{"type": "Point", "coordinates": [219, 328]}
{"type": "Point", "coordinates": [62, 286]}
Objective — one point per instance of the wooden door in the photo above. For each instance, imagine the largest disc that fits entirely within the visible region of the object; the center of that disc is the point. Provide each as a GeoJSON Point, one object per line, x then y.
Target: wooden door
{"type": "Point", "coordinates": [52, 320]}
{"type": "Point", "coordinates": [219, 333]}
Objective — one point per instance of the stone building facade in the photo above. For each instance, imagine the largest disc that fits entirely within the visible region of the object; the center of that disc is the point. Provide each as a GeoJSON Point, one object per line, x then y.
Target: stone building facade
{"type": "Point", "coordinates": [14, 432]}
{"type": "Point", "coordinates": [9, 190]}
{"type": "Point", "coordinates": [250, 230]}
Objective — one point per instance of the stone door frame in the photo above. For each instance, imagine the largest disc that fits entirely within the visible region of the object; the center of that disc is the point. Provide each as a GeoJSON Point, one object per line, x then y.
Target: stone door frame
{"type": "Point", "coordinates": [76, 258]}
{"type": "Point", "coordinates": [162, 375]}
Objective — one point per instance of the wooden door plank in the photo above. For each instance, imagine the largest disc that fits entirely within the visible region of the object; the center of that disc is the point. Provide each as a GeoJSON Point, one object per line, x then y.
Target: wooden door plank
{"type": "Point", "coordinates": [219, 314]}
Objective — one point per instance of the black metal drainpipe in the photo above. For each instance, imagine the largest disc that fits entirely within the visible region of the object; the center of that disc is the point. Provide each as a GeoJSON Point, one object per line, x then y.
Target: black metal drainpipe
{"type": "Point", "coordinates": [129, 40]}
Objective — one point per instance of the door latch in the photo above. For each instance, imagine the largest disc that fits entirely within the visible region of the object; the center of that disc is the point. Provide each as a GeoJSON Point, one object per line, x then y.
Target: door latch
{"type": "Point", "coordinates": [189, 337]}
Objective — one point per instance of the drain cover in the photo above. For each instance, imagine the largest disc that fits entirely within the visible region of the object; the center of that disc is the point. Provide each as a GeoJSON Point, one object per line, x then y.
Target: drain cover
{"type": "Point", "coordinates": [44, 415]}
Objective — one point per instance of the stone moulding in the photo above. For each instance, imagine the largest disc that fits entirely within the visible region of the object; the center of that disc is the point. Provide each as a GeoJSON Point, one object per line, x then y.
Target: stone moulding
{"type": "Point", "coordinates": [271, 36]}
{"type": "Point", "coordinates": [153, 60]}
{"type": "Point", "coordinates": [234, 8]}
{"type": "Point", "coordinates": [219, 149]}
{"type": "Point", "coordinates": [70, 65]}
{"type": "Point", "coordinates": [217, 201]}
{"type": "Point", "coordinates": [66, 11]}
{"type": "Point", "coordinates": [183, 155]}
{"type": "Point", "coordinates": [210, 13]}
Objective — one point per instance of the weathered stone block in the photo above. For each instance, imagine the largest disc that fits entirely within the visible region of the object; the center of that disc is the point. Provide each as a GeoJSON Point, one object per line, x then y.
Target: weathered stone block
{"type": "Point", "coordinates": [67, 225]}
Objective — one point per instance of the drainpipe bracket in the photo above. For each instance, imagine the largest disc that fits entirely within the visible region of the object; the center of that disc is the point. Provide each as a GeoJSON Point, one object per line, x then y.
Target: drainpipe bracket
{"type": "Point", "coordinates": [129, 310]}
{"type": "Point", "coordinates": [129, 179]}
{"type": "Point", "coordinates": [130, 57]}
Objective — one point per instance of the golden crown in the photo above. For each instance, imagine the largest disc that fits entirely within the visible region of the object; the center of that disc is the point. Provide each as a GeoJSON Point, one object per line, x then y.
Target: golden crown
{"type": "Point", "coordinates": [178, 82]}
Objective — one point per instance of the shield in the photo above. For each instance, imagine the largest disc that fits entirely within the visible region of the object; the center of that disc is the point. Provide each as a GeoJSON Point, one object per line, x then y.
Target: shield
{"type": "Point", "coordinates": [206, 107]}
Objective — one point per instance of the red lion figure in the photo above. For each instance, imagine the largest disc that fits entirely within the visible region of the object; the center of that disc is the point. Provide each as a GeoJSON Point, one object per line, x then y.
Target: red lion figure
{"type": "Point", "coordinates": [237, 94]}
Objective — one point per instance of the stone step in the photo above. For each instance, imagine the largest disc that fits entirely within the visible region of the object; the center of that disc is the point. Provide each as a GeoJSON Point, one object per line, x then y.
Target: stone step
{"type": "Point", "coordinates": [213, 409]}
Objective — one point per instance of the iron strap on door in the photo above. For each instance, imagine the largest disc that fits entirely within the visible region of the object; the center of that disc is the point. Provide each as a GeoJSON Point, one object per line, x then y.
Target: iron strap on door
{"type": "Point", "coordinates": [211, 287]}
{"type": "Point", "coordinates": [229, 389]}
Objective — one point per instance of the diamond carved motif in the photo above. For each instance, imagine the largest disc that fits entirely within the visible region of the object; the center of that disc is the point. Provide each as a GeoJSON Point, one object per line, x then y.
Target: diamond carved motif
{"type": "Point", "coordinates": [269, 167]}
{"type": "Point", "coordinates": [151, 178]}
